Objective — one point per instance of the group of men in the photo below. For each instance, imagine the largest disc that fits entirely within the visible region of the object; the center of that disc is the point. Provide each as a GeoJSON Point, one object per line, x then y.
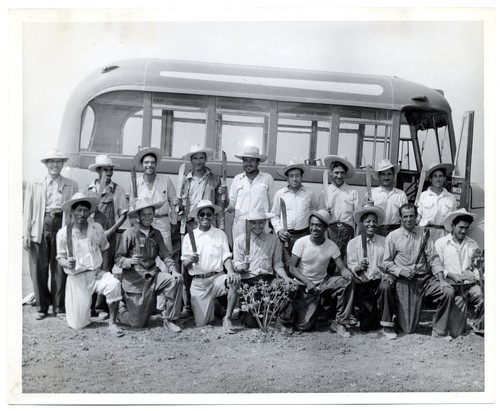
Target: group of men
{"type": "Point", "coordinates": [176, 258]}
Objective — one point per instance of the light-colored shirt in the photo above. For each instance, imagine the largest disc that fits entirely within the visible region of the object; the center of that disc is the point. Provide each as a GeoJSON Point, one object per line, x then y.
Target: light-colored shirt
{"type": "Point", "coordinates": [195, 189]}
{"type": "Point", "coordinates": [456, 257]}
{"type": "Point", "coordinates": [53, 189]}
{"type": "Point", "coordinates": [402, 248]}
{"type": "Point", "coordinates": [342, 202]}
{"type": "Point", "coordinates": [87, 251]}
{"type": "Point", "coordinates": [212, 248]}
{"type": "Point", "coordinates": [389, 201]}
{"type": "Point", "coordinates": [246, 195]}
{"type": "Point", "coordinates": [299, 205]}
{"type": "Point", "coordinates": [314, 258]}
{"type": "Point", "coordinates": [265, 254]}
{"type": "Point", "coordinates": [119, 197]}
{"type": "Point", "coordinates": [435, 208]}
{"type": "Point", "coordinates": [375, 254]}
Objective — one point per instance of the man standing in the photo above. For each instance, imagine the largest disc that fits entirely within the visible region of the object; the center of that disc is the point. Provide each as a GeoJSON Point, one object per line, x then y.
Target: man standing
{"type": "Point", "coordinates": [42, 220]}
{"type": "Point", "coordinates": [82, 249]}
{"type": "Point", "coordinates": [456, 251]}
{"type": "Point", "coordinates": [387, 197]}
{"type": "Point", "coordinates": [206, 267]}
{"type": "Point", "coordinates": [299, 202]}
{"type": "Point", "coordinates": [410, 256]}
{"type": "Point", "coordinates": [374, 290]}
{"type": "Point", "coordinates": [136, 255]}
{"type": "Point", "coordinates": [250, 190]}
{"type": "Point", "coordinates": [341, 200]}
{"type": "Point", "coordinates": [310, 258]}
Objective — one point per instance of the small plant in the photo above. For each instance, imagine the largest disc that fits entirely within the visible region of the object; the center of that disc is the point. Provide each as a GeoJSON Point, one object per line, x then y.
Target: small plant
{"type": "Point", "coordinates": [477, 263]}
{"type": "Point", "coordinates": [265, 301]}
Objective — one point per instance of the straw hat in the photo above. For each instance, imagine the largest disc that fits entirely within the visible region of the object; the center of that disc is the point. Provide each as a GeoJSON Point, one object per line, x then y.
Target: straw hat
{"type": "Point", "coordinates": [258, 214]}
{"type": "Point", "coordinates": [252, 152]}
{"type": "Point", "coordinates": [323, 215]}
{"type": "Point", "coordinates": [449, 219]}
{"type": "Point", "coordinates": [205, 204]}
{"type": "Point", "coordinates": [54, 154]}
{"type": "Point", "coordinates": [147, 150]}
{"type": "Point", "coordinates": [368, 209]}
{"type": "Point", "coordinates": [102, 160]}
{"type": "Point", "coordinates": [295, 163]}
{"type": "Point", "coordinates": [143, 203]}
{"type": "Point", "coordinates": [78, 197]}
{"type": "Point", "coordinates": [384, 165]}
{"type": "Point", "coordinates": [446, 166]}
{"type": "Point", "coordinates": [198, 148]}
{"type": "Point", "coordinates": [341, 159]}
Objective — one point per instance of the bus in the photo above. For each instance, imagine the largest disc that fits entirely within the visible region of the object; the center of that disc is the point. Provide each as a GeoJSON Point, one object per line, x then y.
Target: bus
{"type": "Point", "coordinates": [287, 113]}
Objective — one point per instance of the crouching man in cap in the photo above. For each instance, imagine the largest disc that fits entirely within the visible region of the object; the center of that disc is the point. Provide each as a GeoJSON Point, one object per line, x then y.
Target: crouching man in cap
{"type": "Point", "coordinates": [142, 280]}
{"type": "Point", "coordinates": [310, 258]}
{"type": "Point", "coordinates": [82, 249]}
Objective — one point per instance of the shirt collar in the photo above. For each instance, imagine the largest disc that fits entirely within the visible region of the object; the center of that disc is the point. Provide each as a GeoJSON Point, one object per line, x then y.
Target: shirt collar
{"type": "Point", "coordinates": [287, 189]}
{"type": "Point", "coordinates": [190, 174]}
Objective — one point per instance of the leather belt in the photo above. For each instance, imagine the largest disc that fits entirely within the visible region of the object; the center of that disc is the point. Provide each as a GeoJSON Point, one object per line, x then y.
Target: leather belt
{"type": "Point", "coordinates": [206, 275]}
{"type": "Point", "coordinates": [440, 227]}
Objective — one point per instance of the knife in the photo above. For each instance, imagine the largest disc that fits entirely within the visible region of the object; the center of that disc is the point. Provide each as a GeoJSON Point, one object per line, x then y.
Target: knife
{"type": "Point", "coordinates": [134, 182]}
{"type": "Point", "coordinates": [247, 241]}
{"type": "Point", "coordinates": [325, 188]}
{"type": "Point", "coordinates": [180, 181]}
{"type": "Point", "coordinates": [102, 183]}
{"type": "Point", "coordinates": [420, 185]}
{"type": "Point", "coordinates": [284, 219]}
{"type": "Point", "coordinates": [368, 176]}
{"type": "Point", "coordinates": [191, 239]}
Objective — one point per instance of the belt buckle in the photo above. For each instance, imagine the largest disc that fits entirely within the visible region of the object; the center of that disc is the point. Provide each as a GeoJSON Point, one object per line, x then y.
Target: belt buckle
{"type": "Point", "coordinates": [339, 224]}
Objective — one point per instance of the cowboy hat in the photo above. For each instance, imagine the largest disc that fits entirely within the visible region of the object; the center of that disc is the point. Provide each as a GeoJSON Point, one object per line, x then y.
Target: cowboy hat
{"type": "Point", "coordinates": [368, 209]}
{"type": "Point", "coordinates": [446, 166]}
{"type": "Point", "coordinates": [343, 160]}
{"type": "Point", "coordinates": [102, 160]}
{"type": "Point", "coordinates": [295, 163]}
{"type": "Point", "coordinates": [258, 214]}
{"type": "Point", "coordinates": [205, 204]}
{"type": "Point", "coordinates": [198, 148]}
{"type": "Point", "coordinates": [142, 203]}
{"type": "Point", "coordinates": [383, 165]}
{"type": "Point", "coordinates": [462, 212]}
{"type": "Point", "coordinates": [79, 197]}
{"type": "Point", "coordinates": [54, 154]}
{"type": "Point", "coordinates": [323, 215]}
{"type": "Point", "coordinates": [252, 152]}
{"type": "Point", "coordinates": [145, 151]}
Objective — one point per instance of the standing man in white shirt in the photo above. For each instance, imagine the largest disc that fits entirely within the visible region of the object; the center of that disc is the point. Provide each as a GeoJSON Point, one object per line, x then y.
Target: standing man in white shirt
{"type": "Point", "coordinates": [250, 190]}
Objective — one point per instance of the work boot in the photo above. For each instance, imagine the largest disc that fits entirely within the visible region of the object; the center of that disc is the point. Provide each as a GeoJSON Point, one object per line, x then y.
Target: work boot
{"type": "Point", "coordinates": [171, 326]}
{"type": "Point", "coordinates": [339, 329]}
{"type": "Point", "coordinates": [389, 333]}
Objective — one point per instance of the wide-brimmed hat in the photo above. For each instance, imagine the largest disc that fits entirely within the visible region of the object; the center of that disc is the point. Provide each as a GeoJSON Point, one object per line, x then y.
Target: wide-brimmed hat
{"type": "Point", "coordinates": [147, 150]}
{"type": "Point", "coordinates": [54, 154]}
{"type": "Point", "coordinates": [142, 203]}
{"type": "Point", "coordinates": [341, 159]}
{"type": "Point", "coordinates": [78, 197]}
{"type": "Point", "coordinates": [323, 215]}
{"type": "Point", "coordinates": [449, 219]}
{"type": "Point", "coordinates": [252, 152]}
{"type": "Point", "coordinates": [383, 165]}
{"type": "Point", "coordinates": [205, 204]}
{"type": "Point", "coordinates": [295, 163]}
{"type": "Point", "coordinates": [198, 148]}
{"type": "Point", "coordinates": [436, 166]}
{"type": "Point", "coordinates": [102, 160]}
{"type": "Point", "coordinates": [368, 209]}
{"type": "Point", "coordinates": [258, 214]}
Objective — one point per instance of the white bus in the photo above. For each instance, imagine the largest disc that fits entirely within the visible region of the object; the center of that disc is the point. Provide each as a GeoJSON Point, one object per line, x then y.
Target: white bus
{"type": "Point", "coordinates": [287, 113]}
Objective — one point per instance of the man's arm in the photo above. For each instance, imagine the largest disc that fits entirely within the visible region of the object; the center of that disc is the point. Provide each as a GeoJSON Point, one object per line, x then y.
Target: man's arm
{"type": "Point", "coordinates": [390, 252]}
{"type": "Point", "coordinates": [122, 259]}
{"type": "Point", "coordinates": [27, 215]}
{"type": "Point", "coordinates": [239, 255]}
{"type": "Point", "coordinates": [276, 219]}
{"type": "Point", "coordinates": [270, 192]}
{"type": "Point", "coordinates": [164, 253]}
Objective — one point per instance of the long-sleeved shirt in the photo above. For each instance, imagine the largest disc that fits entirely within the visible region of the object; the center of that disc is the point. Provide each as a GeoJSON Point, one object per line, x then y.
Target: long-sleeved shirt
{"type": "Point", "coordinates": [246, 195]}
{"type": "Point", "coordinates": [152, 246]}
{"type": "Point", "coordinates": [454, 256]}
{"type": "Point", "coordinates": [435, 208]}
{"type": "Point", "coordinates": [265, 254]}
{"type": "Point", "coordinates": [342, 202]}
{"type": "Point", "coordinates": [212, 248]}
{"type": "Point", "coordinates": [35, 204]}
{"type": "Point", "coordinates": [299, 205]}
{"type": "Point", "coordinates": [402, 248]}
{"type": "Point", "coordinates": [389, 201]}
{"type": "Point", "coordinates": [119, 197]}
{"type": "Point", "coordinates": [375, 255]}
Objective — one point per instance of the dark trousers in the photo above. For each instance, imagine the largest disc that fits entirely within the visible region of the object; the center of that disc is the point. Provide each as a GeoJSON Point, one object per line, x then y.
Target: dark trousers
{"type": "Point", "coordinates": [341, 234]}
{"type": "Point", "coordinates": [42, 256]}
{"type": "Point", "coordinates": [466, 294]}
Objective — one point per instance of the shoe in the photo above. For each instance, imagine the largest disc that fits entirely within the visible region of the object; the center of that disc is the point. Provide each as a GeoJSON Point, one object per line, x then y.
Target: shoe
{"type": "Point", "coordinates": [186, 313]}
{"type": "Point", "coordinates": [283, 329]}
{"type": "Point", "coordinates": [389, 333]}
{"type": "Point", "coordinates": [171, 326]}
{"type": "Point", "coordinates": [353, 322]}
{"type": "Point", "coordinates": [103, 315]}
{"type": "Point", "coordinates": [236, 314]}
{"type": "Point", "coordinates": [227, 326]}
{"type": "Point", "coordinates": [340, 329]}
{"type": "Point", "coordinates": [442, 337]}
{"type": "Point", "coordinates": [40, 316]}
{"type": "Point", "coordinates": [115, 330]}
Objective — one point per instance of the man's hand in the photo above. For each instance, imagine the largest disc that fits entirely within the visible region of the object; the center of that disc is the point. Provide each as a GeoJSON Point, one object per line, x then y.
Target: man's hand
{"type": "Point", "coordinates": [222, 190]}
{"type": "Point", "coordinates": [70, 262]}
{"type": "Point", "coordinates": [311, 287]}
{"type": "Point", "coordinates": [284, 235]}
{"type": "Point", "coordinates": [136, 259]}
{"type": "Point", "coordinates": [194, 258]}
{"type": "Point", "coordinates": [176, 276]}
{"type": "Point", "coordinates": [26, 243]}
{"type": "Point", "coordinates": [233, 278]}
{"type": "Point", "coordinates": [176, 201]}
{"type": "Point", "coordinates": [407, 274]}
{"type": "Point", "coordinates": [345, 273]}
{"type": "Point", "coordinates": [362, 266]}
{"type": "Point", "coordinates": [244, 267]}
{"type": "Point", "coordinates": [455, 278]}
{"type": "Point", "coordinates": [443, 283]}
{"type": "Point", "coordinates": [468, 275]}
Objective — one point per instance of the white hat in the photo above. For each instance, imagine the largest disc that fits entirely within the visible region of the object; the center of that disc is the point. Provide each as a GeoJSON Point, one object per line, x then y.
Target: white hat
{"type": "Point", "coordinates": [436, 166]}
{"type": "Point", "coordinates": [78, 197]}
{"type": "Point", "coordinates": [384, 165]}
{"type": "Point", "coordinates": [198, 148]}
{"type": "Point", "coordinates": [54, 154]}
{"type": "Point", "coordinates": [205, 204]}
{"type": "Point", "coordinates": [252, 152]}
{"type": "Point", "coordinates": [323, 215]}
{"type": "Point", "coordinates": [145, 151]}
{"type": "Point", "coordinates": [449, 219]}
{"type": "Point", "coordinates": [341, 159]}
{"type": "Point", "coordinates": [102, 160]}
{"type": "Point", "coordinates": [295, 163]}
{"type": "Point", "coordinates": [258, 214]}
{"type": "Point", "coordinates": [142, 203]}
{"type": "Point", "coordinates": [368, 209]}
